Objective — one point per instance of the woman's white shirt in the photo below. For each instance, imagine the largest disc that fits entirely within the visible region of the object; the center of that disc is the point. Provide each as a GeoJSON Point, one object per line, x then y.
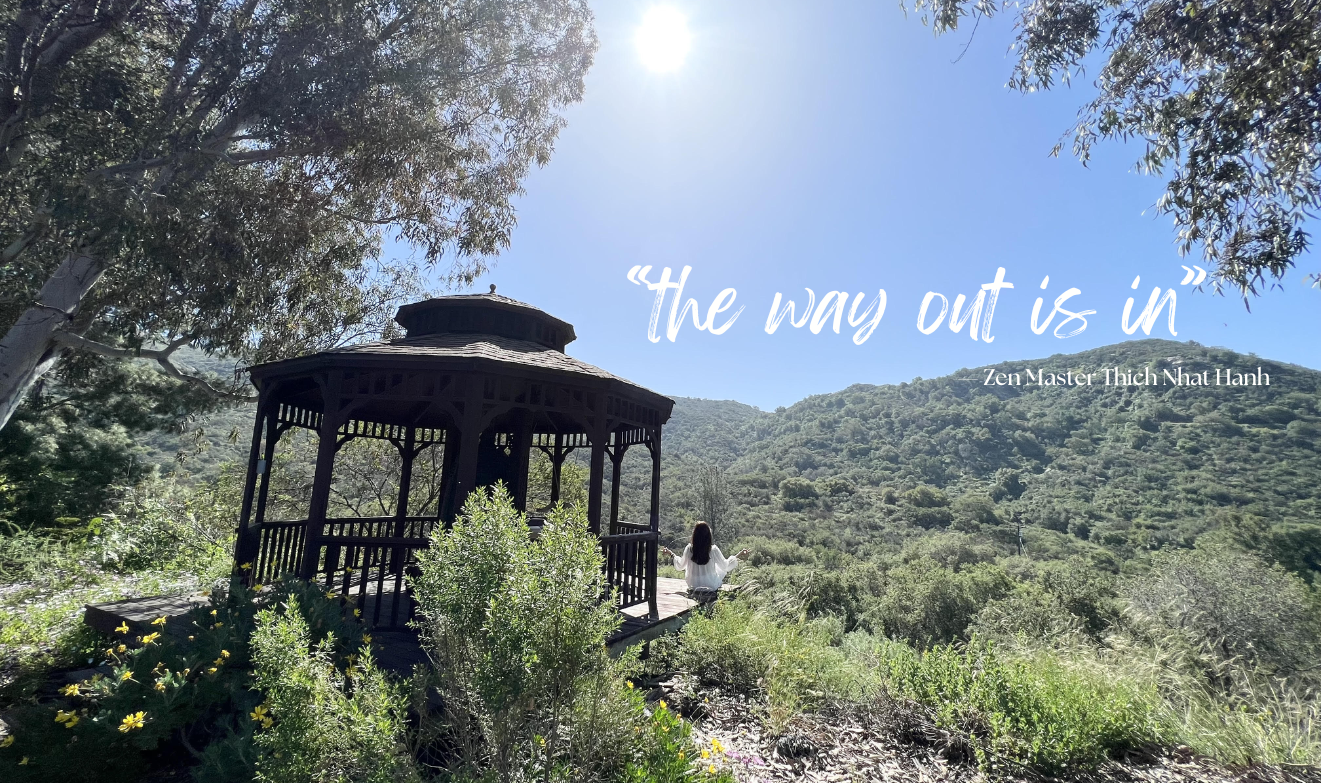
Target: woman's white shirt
{"type": "Point", "coordinates": [705, 576]}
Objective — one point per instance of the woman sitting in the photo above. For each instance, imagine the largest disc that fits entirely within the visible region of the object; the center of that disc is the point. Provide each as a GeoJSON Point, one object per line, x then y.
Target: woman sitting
{"type": "Point", "coordinates": [702, 562]}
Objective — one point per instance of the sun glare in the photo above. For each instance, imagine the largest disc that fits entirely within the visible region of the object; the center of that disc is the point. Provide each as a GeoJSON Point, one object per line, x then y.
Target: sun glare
{"type": "Point", "coordinates": [663, 39]}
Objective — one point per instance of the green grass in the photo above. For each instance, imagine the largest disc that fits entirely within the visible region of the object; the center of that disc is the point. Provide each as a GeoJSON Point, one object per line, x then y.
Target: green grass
{"type": "Point", "coordinates": [1053, 709]}
{"type": "Point", "coordinates": [47, 580]}
{"type": "Point", "coordinates": [1039, 709]}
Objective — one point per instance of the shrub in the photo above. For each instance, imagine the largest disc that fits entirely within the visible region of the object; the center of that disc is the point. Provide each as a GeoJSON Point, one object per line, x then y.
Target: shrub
{"type": "Point", "coordinates": [797, 494]}
{"type": "Point", "coordinates": [516, 630]}
{"type": "Point", "coordinates": [318, 723]}
{"type": "Point", "coordinates": [749, 649]}
{"type": "Point", "coordinates": [1034, 710]}
{"type": "Point", "coordinates": [925, 603]}
{"type": "Point", "coordinates": [1228, 603]}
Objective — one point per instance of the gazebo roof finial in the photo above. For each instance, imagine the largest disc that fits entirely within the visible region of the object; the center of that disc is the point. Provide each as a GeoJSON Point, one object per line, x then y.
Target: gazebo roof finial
{"type": "Point", "coordinates": [492, 287]}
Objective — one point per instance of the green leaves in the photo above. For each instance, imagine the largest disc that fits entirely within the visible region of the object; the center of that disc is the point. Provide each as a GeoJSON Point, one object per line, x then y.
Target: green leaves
{"type": "Point", "coordinates": [516, 629]}
{"type": "Point", "coordinates": [1224, 97]}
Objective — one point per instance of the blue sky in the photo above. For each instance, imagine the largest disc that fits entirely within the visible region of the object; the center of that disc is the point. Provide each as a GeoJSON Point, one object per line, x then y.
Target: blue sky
{"type": "Point", "coordinates": [836, 146]}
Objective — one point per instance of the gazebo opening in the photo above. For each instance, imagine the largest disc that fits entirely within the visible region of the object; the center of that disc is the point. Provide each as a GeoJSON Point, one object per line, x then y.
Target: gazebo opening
{"type": "Point", "coordinates": [478, 387]}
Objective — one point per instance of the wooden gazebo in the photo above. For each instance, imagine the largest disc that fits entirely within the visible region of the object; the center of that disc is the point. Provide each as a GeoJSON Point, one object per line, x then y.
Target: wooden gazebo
{"type": "Point", "coordinates": [482, 377]}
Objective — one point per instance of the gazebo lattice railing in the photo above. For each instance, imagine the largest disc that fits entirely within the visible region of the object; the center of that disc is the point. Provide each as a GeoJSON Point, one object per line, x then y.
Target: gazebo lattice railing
{"type": "Point", "coordinates": [485, 379]}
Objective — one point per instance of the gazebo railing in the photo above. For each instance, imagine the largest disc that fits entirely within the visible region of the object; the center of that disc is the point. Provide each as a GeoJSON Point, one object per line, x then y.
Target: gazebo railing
{"type": "Point", "coordinates": [365, 560]}
{"type": "Point", "coordinates": [279, 550]}
{"type": "Point", "coordinates": [628, 558]}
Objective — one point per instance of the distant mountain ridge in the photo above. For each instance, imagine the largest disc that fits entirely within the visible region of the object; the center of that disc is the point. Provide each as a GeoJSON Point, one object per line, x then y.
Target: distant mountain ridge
{"type": "Point", "coordinates": [1125, 467]}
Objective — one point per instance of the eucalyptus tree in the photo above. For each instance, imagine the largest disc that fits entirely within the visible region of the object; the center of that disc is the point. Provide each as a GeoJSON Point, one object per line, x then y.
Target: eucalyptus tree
{"type": "Point", "coordinates": [222, 173]}
{"type": "Point", "coordinates": [1226, 96]}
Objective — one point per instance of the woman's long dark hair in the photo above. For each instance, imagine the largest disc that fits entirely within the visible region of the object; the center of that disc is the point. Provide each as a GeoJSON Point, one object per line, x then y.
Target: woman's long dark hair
{"type": "Point", "coordinates": [701, 543]}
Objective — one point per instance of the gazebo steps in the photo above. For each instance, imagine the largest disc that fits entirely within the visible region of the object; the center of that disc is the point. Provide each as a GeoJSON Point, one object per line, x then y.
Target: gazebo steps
{"type": "Point", "coordinates": [138, 614]}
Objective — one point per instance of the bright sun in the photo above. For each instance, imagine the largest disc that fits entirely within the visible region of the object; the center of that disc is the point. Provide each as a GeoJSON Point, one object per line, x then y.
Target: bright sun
{"type": "Point", "coordinates": [663, 39]}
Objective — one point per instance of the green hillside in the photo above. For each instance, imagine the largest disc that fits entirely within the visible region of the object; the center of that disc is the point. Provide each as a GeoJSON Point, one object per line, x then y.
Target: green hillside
{"type": "Point", "coordinates": [1124, 469]}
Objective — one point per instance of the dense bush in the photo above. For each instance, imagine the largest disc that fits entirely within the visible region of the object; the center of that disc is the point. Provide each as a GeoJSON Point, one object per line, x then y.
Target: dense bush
{"type": "Point", "coordinates": [517, 633]}
{"type": "Point", "coordinates": [318, 723]}
{"type": "Point", "coordinates": [1231, 605]}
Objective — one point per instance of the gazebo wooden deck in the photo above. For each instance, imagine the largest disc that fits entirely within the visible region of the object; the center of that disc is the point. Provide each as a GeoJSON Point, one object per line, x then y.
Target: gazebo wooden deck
{"type": "Point", "coordinates": [483, 378]}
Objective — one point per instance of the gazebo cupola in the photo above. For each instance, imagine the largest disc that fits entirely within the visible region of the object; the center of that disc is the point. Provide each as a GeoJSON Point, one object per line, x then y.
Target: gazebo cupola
{"type": "Point", "coordinates": [485, 379]}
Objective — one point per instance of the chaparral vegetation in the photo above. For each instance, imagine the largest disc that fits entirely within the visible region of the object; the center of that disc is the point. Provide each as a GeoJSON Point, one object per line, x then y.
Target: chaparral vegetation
{"type": "Point", "coordinates": [1027, 582]}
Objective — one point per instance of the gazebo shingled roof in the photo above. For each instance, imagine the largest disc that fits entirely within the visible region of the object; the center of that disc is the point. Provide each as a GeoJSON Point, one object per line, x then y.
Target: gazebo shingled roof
{"type": "Point", "coordinates": [486, 379]}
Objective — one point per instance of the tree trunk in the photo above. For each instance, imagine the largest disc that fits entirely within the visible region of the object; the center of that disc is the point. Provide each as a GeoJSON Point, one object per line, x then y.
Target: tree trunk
{"type": "Point", "coordinates": [27, 351]}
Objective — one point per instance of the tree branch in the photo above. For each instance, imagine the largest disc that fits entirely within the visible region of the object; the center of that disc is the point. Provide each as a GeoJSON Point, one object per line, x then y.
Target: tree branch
{"type": "Point", "coordinates": [161, 356]}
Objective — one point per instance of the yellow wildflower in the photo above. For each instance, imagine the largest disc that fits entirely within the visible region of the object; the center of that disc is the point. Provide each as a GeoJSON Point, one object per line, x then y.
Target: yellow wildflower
{"type": "Point", "coordinates": [366, 638]}
{"type": "Point", "coordinates": [357, 613]}
{"type": "Point", "coordinates": [224, 653]}
{"type": "Point", "coordinates": [128, 675]}
{"type": "Point", "coordinates": [711, 770]}
{"type": "Point", "coordinates": [213, 612]}
{"type": "Point", "coordinates": [159, 620]}
{"type": "Point", "coordinates": [62, 716]}
{"type": "Point", "coordinates": [332, 596]}
{"type": "Point", "coordinates": [121, 648]}
{"type": "Point", "coordinates": [160, 685]}
{"type": "Point", "coordinates": [716, 746]}
{"type": "Point", "coordinates": [663, 705]}
{"type": "Point", "coordinates": [218, 625]}
{"type": "Point", "coordinates": [257, 588]}
{"type": "Point", "coordinates": [72, 689]}
{"type": "Point", "coordinates": [71, 722]}
{"type": "Point", "coordinates": [246, 567]}
{"type": "Point", "coordinates": [681, 755]}
{"type": "Point", "coordinates": [629, 684]}
{"type": "Point", "coordinates": [212, 670]}
{"type": "Point", "coordinates": [7, 741]}
{"type": "Point", "coordinates": [259, 713]}
{"type": "Point", "coordinates": [24, 762]}
{"type": "Point", "coordinates": [122, 627]}
{"type": "Point", "coordinates": [706, 754]}
{"type": "Point", "coordinates": [133, 721]}
{"type": "Point", "coordinates": [151, 637]}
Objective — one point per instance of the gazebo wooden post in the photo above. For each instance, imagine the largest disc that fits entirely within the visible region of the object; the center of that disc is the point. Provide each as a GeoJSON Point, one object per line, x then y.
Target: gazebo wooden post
{"type": "Point", "coordinates": [273, 432]}
{"type": "Point", "coordinates": [616, 462]}
{"type": "Point", "coordinates": [654, 446]}
{"type": "Point", "coordinates": [408, 451]}
{"type": "Point", "coordinates": [556, 467]}
{"type": "Point", "coordinates": [523, 453]}
{"type": "Point", "coordinates": [465, 464]}
{"type": "Point", "coordinates": [243, 549]}
{"type": "Point", "coordinates": [327, 445]}
{"type": "Point", "coordinates": [595, 481]}
{"type": "Point", "coordinates": [448, 487]}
